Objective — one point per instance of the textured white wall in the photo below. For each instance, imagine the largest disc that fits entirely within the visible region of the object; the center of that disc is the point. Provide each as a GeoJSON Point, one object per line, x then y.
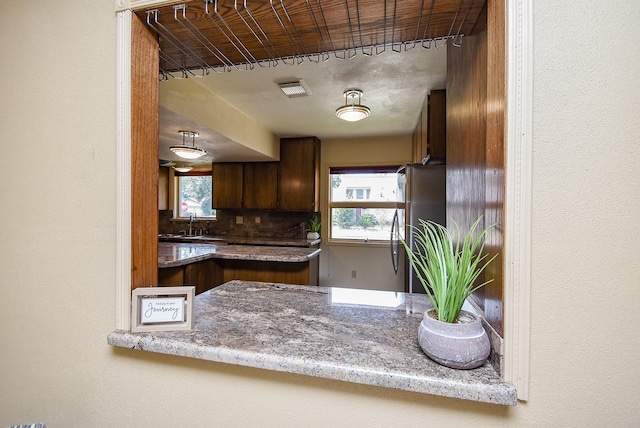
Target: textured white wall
{"type": "Point", "coordinates": [57, 261]}
{"type": "Point", "coordinates": [586, 205]}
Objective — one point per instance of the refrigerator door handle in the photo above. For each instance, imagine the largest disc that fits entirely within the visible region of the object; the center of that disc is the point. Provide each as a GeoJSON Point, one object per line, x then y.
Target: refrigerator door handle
{"type": "Point", "coordinates": [395, 226]}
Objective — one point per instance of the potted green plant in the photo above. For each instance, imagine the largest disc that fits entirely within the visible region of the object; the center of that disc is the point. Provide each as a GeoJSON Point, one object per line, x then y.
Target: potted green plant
{"type": "Point", "coordinates": [314, 227]}
{"type": "Point", "coordinates": [449, 270]}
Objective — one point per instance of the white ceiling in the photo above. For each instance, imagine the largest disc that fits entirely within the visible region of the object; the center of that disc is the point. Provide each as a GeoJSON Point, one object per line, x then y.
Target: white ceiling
{"type": "Point", "coordinates": [394, 85]}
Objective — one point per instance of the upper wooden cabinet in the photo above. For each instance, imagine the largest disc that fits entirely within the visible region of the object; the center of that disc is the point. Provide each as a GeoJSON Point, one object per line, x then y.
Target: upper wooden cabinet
{"type": "Point", "coordinates": [437, 124]}
{"type": "Point", "coordinates": [289, 185]}
{"type": "Point", "coordinates": [260, 189]}
{"type": "Point", "coordinates": [419, 139]}
{"type": "Point", "coordinates": [163, 188]}
{"type": "Point", "coordinates": [430, 134]}
{"type": "Point", "coordinates": [227, 185]}
{"type": "Point", "coordinates": [299, 174]}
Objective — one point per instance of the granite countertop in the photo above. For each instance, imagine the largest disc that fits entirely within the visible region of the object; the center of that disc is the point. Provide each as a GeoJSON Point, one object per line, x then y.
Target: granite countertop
{"type": "Point", "coordinates": [321, 332]}
{"type": "Point", "coordinates": [171, 254]}
{"type": "Point", "coordinates": [284, 242]}
{"type": "Point", "coordinates": [240, 240]}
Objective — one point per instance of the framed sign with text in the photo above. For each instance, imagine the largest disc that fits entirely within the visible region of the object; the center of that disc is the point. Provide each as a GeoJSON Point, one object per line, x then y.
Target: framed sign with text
{"type": "Point", "coordinates": [162, 308]}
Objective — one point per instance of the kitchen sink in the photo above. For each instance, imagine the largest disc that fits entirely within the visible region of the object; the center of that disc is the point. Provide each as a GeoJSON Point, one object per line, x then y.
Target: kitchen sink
{"type": "Point", "coordinates": [178, 237]}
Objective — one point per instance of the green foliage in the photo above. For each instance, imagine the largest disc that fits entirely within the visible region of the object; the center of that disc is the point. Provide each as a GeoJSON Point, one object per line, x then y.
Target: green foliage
{"type": "Point", "coordinates": [345, 217]}
{"type": "Point", "coordinates": [314, 224]}
{"type": "Point", "coordinates": [448, 272]}
{"type": "Point", "coordinates": [367, 220]}
{"type": "Point", "coordinates": [199, 190]}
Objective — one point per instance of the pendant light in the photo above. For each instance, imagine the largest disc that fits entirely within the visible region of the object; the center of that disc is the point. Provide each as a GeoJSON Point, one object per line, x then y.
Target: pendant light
{"type": "Point", "coordinates": [352, 111]}
{"type": "Point", "coordinates": [183, 168]}
{"type": "Point", "coordinates": [185, 151]}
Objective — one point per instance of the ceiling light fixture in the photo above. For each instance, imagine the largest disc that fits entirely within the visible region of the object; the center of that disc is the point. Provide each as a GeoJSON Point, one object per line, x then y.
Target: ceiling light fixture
{"type": "Point", "coordinates": [352, 111]}
{"type": "Point", "coordinates": [185, 151]}
{"type": "Point", "coordinates": [183, 168]}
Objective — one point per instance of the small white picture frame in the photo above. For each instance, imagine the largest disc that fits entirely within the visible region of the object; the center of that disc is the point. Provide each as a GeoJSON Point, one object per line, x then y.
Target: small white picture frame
{"type": "Point", "coordinates": [162, 308]}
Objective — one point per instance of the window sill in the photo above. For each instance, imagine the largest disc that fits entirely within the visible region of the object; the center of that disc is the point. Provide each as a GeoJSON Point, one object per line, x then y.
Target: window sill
{"type": "Point", "coordinates": [358, 243]}
{"type": "Point", "coordinates": [187, 220]}
{"type": "Point", "coordinates": [320, 332]}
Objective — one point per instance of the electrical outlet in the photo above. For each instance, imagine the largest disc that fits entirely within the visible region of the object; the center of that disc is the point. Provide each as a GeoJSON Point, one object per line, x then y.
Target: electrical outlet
{"type": "Point", "coordinates": [239, 220]}
{"type": "Point", "coordinates": [354, 273]}
{"type": "Point", "coordinates": [257, 220]}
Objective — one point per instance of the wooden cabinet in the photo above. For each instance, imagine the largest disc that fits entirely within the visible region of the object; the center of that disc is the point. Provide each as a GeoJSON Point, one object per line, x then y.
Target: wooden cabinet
{"type": "Point", "coordinates": [204, 275]}
{"type": "Point", "coordinates": [299, 174]}
{"type": "Point", "coordinates": [419, 140]}
{"type": "Point", "coordinates": [260, 188]}
{"type": "Point", "coordinates": [437, 124]}
{"type": "Point", "coordinates": [163, 188]}
{"type": "Point", "coordinates": [302, 273]}
{"type": "Point", "coordinates": [227, 181]}
{"type": "Point", "coordinates": [289, 185]}
{"type": "Point", "coordinates": [430, 134]}
{"type": "Point", "coordinates": [210, 273]}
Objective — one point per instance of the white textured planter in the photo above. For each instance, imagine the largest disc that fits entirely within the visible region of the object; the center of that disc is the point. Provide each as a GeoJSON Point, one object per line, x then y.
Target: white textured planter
{"type": "Point", "coordinates": [461, 345]}
{"type": "Point", "coordinates": [313, 235]}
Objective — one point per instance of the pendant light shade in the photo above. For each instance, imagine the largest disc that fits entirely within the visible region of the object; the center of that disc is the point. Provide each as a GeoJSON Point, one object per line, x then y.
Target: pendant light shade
{"type": "Point", "coordinates": [185, 151]}
{"type": "Point", "coordinates": [352, 111]}
{"type": "Point", "coordinates": [183, 168]}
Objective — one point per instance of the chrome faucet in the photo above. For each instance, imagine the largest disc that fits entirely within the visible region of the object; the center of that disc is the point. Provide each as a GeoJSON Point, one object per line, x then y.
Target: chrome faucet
{"type": "Point", "coordinates": [191, 218]}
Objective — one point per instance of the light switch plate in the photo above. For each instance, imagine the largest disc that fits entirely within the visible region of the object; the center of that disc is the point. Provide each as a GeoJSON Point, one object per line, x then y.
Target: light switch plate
{"type": "Point", "coordinates": [239, 220]}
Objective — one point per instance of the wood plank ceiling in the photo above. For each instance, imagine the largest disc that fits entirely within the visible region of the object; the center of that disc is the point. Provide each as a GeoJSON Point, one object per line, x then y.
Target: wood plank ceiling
{"type": "Point", "coordinates": [198, 37]}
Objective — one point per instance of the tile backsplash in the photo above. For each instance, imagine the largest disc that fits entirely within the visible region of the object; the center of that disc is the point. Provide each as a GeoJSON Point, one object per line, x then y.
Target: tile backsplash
{"type": "Point", "coordinates": [267, 224]}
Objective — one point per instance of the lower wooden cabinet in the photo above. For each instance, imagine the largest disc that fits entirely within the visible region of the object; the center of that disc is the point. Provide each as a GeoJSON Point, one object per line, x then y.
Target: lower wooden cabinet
{"type": "Point", "coordinates": [204, 275]}
{"type": "Point", "coordinates": [208, 274]}
{"type": "Point", "coordinates": [303, 273]}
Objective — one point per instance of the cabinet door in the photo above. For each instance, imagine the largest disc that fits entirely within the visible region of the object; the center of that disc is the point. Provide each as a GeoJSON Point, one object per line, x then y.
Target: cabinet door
{"type": "Point", "coordinates": [299, 174]}
{"type": "Point", "coordinates": [227, 185]}
{"type": "Point", "coordinates": [437, 124]}
{"type": "Point", "coordinates": [260, 187]}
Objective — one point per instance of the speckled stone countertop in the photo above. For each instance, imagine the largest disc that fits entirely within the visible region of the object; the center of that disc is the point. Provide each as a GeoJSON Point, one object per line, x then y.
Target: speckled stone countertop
{"type": "Point", "coordinates": [241, 240]}
{"type": "Point", "coordinates": [322, 332]}
{"type": "Point", "coordinates": [171, 254]}
{"type": "Point", "coordinates": [284, 242]}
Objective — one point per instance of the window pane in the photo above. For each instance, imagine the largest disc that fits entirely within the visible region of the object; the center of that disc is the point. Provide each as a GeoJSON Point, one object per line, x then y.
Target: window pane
{"type": "Point", "coordinates": [361, 223]}
{"type": "Point", "coordinates": [375, 187]}
{"type": "Point", "coordinates": [195, 196]}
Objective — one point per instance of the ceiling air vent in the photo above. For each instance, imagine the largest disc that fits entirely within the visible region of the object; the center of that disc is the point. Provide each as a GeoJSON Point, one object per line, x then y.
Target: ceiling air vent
{"type": "Point", "coordinates": [294, 89]}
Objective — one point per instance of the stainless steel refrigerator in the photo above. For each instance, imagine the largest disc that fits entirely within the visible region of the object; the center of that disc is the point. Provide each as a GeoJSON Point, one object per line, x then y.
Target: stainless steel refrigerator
{"type": "Point", "coordinates": [422, 194]}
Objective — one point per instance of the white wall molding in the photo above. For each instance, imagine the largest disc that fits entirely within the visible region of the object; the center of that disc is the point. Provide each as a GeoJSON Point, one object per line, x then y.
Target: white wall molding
{"type": "Point", "coordinates": [518, 184]}
{"type": "Point", "coordinates": [123, 170]}
{"type": "Point", "coordinates": [122, 5]}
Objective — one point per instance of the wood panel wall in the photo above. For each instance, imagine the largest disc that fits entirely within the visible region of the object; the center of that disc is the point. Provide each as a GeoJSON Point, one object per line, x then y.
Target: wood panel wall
{"type": "Point", "coordinates": [493, 294]}
{"type": "Point", "coordinates": [475, 141]}
{"type": "Point", "coordinates": [144, 156]}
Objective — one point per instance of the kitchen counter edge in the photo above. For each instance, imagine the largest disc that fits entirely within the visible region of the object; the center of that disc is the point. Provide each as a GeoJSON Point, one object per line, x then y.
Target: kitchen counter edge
{"type": "Point", "coordinates": [399, 362]}
{"type": "Point", "coordinates": [173, 254]}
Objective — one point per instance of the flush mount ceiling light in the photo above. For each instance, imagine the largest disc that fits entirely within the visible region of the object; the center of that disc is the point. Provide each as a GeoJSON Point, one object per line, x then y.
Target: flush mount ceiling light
{"type": "Point", "coordinates": [294, 89]}
{"type": "Point", "coordinates": [183, 168]}
{"type": "Point", "coordinates": [352, 111]}
{"type": "Point", "coordinates": [185, 151]}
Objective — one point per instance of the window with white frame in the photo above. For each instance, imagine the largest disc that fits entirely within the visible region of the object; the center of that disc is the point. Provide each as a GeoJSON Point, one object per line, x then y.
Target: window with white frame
{"type": "Point", "coordinates": [362, 202]}
{"type": "Point", "coordinates": [194, 196]}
